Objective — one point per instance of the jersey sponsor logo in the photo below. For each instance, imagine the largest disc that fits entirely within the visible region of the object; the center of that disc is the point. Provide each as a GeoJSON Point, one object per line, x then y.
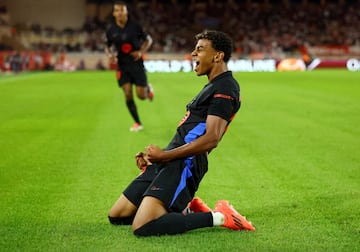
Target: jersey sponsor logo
{"type": "Point", "coordinates": [126, 48]}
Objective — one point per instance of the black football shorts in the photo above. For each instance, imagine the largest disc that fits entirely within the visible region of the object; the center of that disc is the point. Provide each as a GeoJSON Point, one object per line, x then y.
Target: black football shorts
{"type": "Point", "coordinates": [134, 75]}
{"type": "Point", "coordinates": [172, 183]}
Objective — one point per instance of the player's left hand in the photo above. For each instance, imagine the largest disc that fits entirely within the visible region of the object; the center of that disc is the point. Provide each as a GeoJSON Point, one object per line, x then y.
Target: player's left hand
{"type": "Point", "coordinates": [154, 153]}
{"type": "Point", "coordinates": [136, 55]}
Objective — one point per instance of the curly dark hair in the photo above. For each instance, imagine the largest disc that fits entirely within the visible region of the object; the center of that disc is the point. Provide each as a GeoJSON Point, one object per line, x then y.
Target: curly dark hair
{"type": "Point", "coordinates": [220, 42]}
{"type": "Point", "coordinates": [118, 2]}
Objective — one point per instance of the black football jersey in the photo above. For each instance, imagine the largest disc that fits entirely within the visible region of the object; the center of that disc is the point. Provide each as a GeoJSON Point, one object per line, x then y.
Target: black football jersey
{"type": "Point", "coordinates": [220, 97]}
{"type": "Point", "coordinates": [125, 40]}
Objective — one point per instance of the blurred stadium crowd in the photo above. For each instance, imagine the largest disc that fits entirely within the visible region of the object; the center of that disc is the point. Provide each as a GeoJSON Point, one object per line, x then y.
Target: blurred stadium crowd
{"type": "Point", "coordinates": [260, 29]}
{"type": "Point", "coordinates": [266, 28]}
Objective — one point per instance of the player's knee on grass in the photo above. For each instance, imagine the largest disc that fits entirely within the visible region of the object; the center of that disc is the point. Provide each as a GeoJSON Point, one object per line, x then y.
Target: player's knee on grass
{"type": "Point", "coordinates": [120, 220]}
{"type": "Point", "coordinates": [146, 230]}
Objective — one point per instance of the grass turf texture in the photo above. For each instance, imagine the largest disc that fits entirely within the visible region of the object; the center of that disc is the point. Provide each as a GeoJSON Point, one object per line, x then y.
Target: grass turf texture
{"type": "Point", "coordinates": [289, 161]}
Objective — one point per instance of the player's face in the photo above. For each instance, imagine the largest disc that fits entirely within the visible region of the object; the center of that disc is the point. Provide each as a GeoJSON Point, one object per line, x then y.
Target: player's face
{"type": "Point", "coordinates": [203, 57]}
{"type": "Point", "coordinates": [120, 13]}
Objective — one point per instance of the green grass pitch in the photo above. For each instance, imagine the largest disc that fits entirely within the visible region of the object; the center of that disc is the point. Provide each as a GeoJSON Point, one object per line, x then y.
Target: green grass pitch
{"type": "Point", "coordinates": [289, 162]}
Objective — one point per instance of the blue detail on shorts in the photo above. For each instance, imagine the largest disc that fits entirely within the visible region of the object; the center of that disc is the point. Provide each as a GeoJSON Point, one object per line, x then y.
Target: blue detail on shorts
{"type": "Point", "coordinates": [193, 134]}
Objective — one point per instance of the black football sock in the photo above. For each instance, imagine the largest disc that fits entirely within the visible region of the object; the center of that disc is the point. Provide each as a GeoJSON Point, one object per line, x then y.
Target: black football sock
{"type": "Point", "coordinates": [133, 110]}
{"type": "Point", "coordinates": [121, 220]}
{"type": "Point", "coordinates": [175, 223]}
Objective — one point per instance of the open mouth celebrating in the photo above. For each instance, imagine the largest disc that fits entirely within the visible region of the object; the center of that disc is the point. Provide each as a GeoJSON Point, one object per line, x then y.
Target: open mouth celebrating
{"type": "Point", "coordinates": [196, 64]}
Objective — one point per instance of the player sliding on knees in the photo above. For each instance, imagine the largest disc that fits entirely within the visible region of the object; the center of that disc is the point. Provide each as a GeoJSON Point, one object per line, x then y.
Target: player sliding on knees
{"type": "Point", "coordinates": [160, 200]}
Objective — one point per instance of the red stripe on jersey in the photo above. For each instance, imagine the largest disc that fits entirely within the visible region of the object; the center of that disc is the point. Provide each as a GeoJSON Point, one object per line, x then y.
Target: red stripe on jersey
{"type": "Point", "coordinates": [223, 96]}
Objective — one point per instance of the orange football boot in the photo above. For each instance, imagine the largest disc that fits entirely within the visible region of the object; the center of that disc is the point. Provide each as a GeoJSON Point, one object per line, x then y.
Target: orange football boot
{"type": "Point", "coordinates": [198, 206]}
{"type": "Point", "coordinates": [233, 220]}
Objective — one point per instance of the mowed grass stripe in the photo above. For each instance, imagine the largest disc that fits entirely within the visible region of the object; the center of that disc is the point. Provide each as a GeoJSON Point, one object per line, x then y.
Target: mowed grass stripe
{"type": "Point", "coordinates": [59, 123]}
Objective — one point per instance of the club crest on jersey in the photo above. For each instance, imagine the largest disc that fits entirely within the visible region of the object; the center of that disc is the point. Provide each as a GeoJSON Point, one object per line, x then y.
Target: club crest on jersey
{"type": "Point", "coordinates": [126, 48]}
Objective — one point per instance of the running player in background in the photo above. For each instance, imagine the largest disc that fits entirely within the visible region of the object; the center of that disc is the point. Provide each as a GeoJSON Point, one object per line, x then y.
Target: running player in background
{"type": "Point", "coordinates": [130, 42]}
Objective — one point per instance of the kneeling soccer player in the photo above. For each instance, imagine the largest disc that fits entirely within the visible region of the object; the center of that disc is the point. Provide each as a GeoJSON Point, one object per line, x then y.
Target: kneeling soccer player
{"type": "Point", "coordinates": [155, 202]}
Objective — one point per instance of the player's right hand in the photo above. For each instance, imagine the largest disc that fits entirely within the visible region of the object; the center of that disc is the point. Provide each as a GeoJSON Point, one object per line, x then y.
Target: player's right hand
{"type": "Point", "coordinates": [112, 58]}
{"type": "Point", "coordinates": [141, 160]}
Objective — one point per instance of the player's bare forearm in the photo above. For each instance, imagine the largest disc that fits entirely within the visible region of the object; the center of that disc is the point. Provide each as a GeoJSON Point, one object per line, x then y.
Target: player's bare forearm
{"type": "Point", "coordinates": [146, 45]}
{"type": "Point", "coordinates": [215, 127]}
{"type": "Point", "coordinates": [156, 154]}
{"type": "Point", "coordinates": [108, 51]}
{"type": "Point", "coordinates": [110, 54]}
